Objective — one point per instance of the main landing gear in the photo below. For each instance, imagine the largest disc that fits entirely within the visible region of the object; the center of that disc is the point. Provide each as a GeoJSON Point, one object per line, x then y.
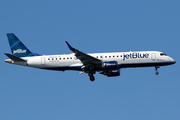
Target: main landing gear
{"type": "Point", "coordinates": [91, 75]}
{"type": "Point", "coordinates": [156, 68]}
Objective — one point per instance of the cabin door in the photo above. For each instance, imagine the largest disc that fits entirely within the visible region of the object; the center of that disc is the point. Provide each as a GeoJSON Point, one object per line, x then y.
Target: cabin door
{"type": "Point", "coordinates": [43, 62]}
{"type": "Point", "coordinates": [153, 56]}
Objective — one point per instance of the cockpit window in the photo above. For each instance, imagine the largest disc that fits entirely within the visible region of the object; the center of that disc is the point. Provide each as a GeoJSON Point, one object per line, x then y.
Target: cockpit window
{"type": "Point", "coordinates": [163, 54]}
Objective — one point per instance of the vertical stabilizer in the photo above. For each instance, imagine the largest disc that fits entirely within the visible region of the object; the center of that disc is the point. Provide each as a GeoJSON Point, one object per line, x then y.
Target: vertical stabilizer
{"type": "Point", "coordinates": [18, 49]}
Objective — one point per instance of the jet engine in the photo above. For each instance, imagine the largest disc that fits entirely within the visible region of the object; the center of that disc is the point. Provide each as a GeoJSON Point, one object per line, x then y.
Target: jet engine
{"type": "Point", "coordinates": [112, 65]}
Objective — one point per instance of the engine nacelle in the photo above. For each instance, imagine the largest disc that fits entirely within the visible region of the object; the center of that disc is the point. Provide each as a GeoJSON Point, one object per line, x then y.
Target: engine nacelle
{"type": "Point", "coordinates": [111, 73]}
{"type": "Point", "coordinates": [110, 65]}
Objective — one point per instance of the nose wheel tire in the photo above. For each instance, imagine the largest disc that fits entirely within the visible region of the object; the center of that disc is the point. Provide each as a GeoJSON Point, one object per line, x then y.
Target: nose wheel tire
{"type": "Point", "coordinates": [157, 73]}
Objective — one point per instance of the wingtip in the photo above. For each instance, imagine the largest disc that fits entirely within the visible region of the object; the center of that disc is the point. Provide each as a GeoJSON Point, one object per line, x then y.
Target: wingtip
{"type": "Point", "coordinates": [70, 47]}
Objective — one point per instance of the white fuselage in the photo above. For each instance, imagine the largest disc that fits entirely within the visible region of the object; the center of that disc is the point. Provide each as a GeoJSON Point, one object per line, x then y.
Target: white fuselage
{"type": "Point", "coordinates": [108, 64]}
{"type": "Point", "coordinates": [124, 60]}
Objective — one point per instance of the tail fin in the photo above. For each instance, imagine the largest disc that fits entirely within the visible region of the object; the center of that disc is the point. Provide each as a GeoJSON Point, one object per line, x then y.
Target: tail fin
{"type": "Point", "coordinates": [18, 49]}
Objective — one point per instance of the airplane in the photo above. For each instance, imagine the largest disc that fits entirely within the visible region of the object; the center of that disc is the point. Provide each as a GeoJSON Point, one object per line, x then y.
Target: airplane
{"type": "Point", "coordinates": [108, 64]}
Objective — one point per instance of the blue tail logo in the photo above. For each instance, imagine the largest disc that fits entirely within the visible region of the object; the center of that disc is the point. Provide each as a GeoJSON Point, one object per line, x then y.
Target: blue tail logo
{"type": "Point", "coordinates": [18, 49]}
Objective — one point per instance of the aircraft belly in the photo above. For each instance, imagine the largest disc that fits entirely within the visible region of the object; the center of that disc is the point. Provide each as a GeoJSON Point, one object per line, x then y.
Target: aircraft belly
{"type": "Point", "coordinates": [144, 64]}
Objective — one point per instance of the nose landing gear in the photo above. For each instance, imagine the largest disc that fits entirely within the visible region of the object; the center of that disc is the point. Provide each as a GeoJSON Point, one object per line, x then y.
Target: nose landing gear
{"type": "Point", "coordinates": [156, 68]}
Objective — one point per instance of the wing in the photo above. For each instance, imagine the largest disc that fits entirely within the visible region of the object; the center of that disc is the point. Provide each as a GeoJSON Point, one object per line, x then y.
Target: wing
{"type": "Point", "coordinates": [86, 59]}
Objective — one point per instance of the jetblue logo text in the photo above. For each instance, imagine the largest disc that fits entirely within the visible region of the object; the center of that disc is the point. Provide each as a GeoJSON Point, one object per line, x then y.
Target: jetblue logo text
{"type": "Point", "coordinates": [135, 55]}
{"type": "Point", "coordinates": [19, 51]}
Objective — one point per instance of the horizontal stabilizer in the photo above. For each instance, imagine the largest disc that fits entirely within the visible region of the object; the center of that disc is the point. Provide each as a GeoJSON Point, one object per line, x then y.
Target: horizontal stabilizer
{"type": "Point", "coordinates": [14, 58]}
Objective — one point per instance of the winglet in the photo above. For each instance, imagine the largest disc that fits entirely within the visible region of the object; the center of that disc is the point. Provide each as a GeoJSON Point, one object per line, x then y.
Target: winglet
{"type": "Point", "coordinates": [70, 47]}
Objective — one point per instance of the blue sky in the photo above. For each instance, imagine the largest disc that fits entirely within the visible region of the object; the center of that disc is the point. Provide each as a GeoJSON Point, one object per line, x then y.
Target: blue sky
{"type": "Point", "coordinates": [91, 26]}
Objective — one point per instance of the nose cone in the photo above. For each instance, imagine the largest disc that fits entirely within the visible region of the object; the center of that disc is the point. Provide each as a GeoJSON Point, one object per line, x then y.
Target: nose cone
{"type": "Point", "coordinates": [173, 61]}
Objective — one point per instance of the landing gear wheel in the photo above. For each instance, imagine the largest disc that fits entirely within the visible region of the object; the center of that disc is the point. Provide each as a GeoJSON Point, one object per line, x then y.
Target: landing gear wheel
{"type": "Point", "coordinates": [91, 75]}
{"type": "Point", "coordinates": [92, 78]}
{"type": "Point", "coordinates": [157, 73]}
{"type": "Point", "coordinates": [156, 68]}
